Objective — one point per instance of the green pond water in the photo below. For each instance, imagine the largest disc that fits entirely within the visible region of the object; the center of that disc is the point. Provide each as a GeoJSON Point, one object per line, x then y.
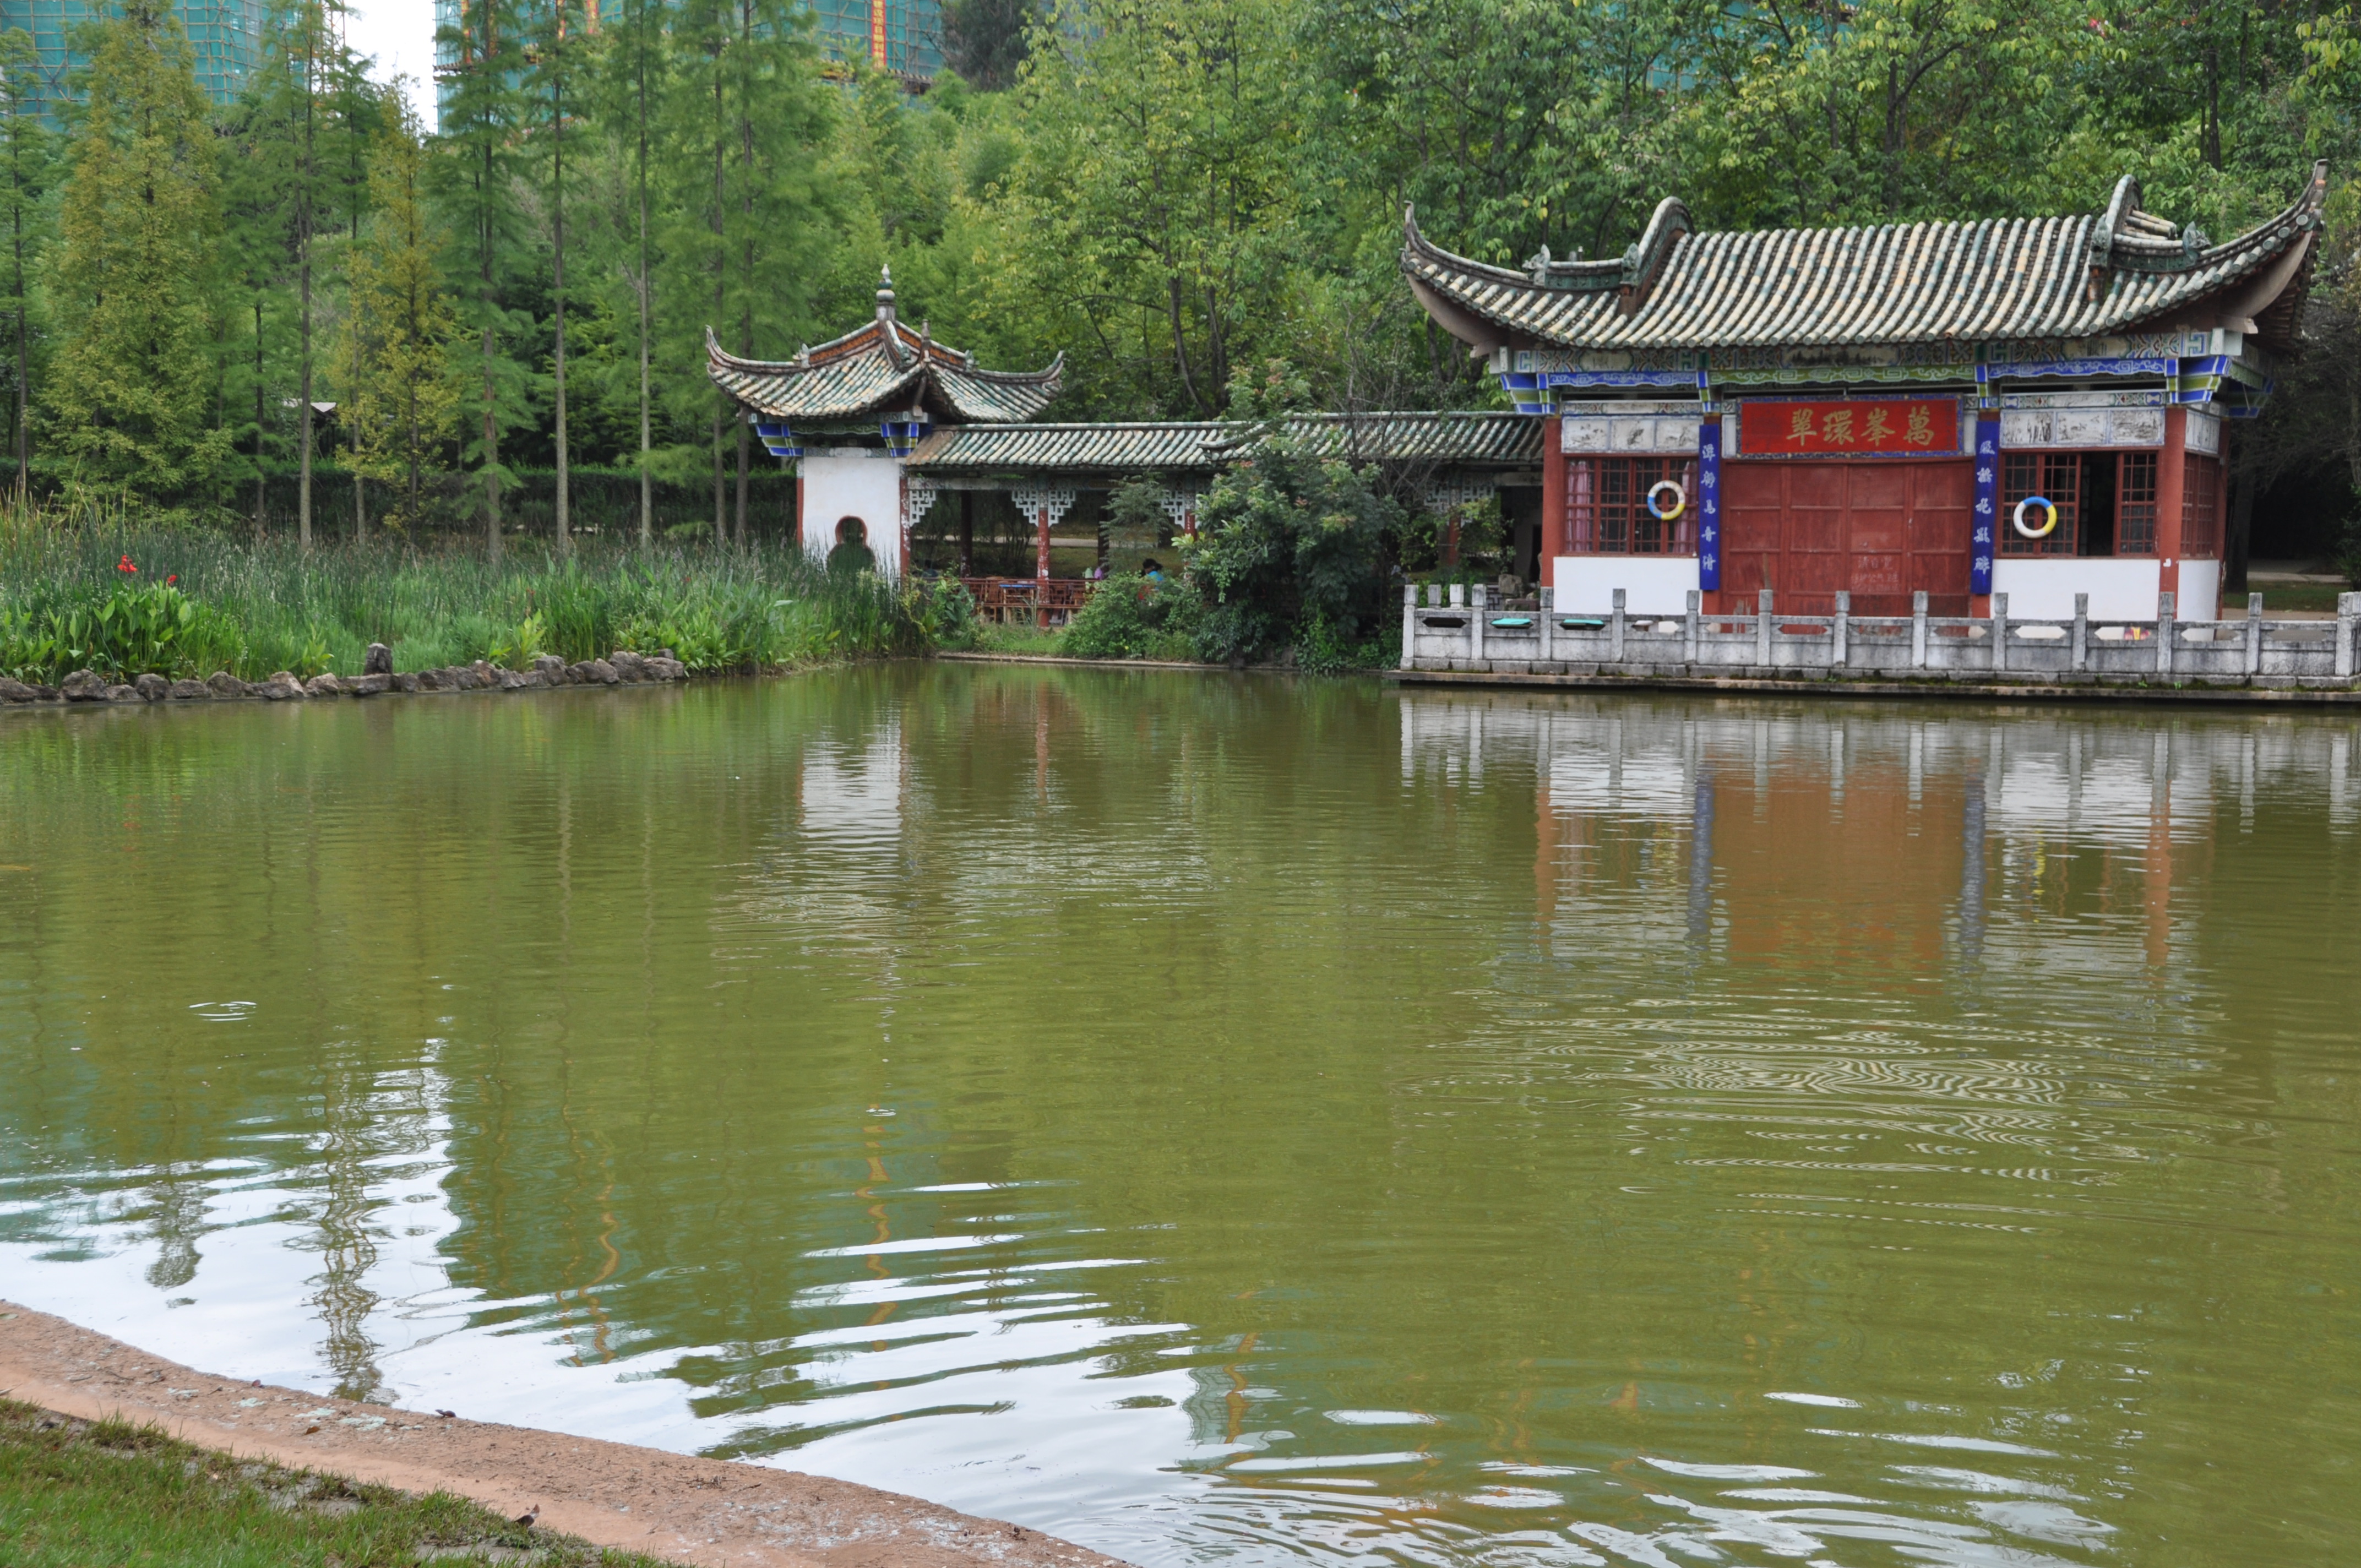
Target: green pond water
{"type": "Point", "coordinates": [1226, 1118]}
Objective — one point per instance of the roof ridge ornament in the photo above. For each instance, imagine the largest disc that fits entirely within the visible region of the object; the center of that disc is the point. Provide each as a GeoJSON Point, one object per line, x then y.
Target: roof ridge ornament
{"type": "Point", "coordinates": [1646, 258]}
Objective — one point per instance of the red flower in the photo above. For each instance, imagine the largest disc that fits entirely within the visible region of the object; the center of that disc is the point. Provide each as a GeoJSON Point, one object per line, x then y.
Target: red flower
{"type": "Point", "coordinates": [171, 580]}
{"type": "Point", "coordinates": [124, 564]}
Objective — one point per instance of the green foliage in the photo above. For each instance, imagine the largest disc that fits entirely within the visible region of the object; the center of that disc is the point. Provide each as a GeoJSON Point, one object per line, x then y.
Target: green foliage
{"type": "Point", "coordinates": [1286, 541]}
{"type": "Point", "coordinates": [394, 339]}
{"type": "Point", "coordinates": [1166, 191]}
{"type": "Point", "coordinates": [942, 611]}
{"type": "Point", "coordinates": [986, 40]}
{"type": "Point", "coordinates": [1131, 618]}
{"type": "Point", "coordinates": [65, 604]}
{"type": "Point", "coordinates": [131, 392]}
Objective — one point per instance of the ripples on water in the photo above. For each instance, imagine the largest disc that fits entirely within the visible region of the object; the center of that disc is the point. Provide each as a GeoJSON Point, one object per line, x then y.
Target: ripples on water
{"type": "Point", "coordinates": [1230, 1119]}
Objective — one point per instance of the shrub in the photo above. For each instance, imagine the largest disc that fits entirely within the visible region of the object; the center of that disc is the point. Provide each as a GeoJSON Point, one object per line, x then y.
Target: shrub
{"type": "Point", "coordinates": [1128, 618]}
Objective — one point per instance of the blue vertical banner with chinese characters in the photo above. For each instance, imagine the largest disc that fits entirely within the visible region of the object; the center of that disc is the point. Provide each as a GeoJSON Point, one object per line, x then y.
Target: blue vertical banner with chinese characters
{"type": "Point", "coordinates": [1709, 502]}
{"type": "Point", "coordinates": [1987, 513]}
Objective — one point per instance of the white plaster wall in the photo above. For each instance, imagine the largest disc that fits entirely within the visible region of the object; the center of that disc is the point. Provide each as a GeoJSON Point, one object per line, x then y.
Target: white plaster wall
{"type": "Point", "coordinates": [2200, 591]}
{"type": "Point", "coordinates": [868, 487]}
{"type": "Point", "coordinates": [1652, 584]}
{"type": "Point", "coordinates": [2122, 589]}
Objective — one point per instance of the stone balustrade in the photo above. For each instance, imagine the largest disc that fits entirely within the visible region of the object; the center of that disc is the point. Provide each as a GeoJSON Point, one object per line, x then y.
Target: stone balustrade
{"type": "Point", "coordinates": [1465, 631]}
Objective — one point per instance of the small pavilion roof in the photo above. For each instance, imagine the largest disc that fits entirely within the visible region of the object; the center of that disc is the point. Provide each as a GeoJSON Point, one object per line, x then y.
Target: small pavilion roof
{"type": "Point", "coordinates": [2064, 277]}
{"type": "Point", "coordinates": [882, 368]}
{"type": "Point", "coordinates": [1481, 439]}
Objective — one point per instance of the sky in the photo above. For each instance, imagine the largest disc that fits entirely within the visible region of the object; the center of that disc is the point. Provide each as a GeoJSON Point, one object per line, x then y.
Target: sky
{"type": "Point", "coordinates": [400, 35]}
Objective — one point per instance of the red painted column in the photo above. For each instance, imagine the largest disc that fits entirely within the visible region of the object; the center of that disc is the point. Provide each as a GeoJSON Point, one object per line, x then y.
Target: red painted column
{"type": "Point", "coordinates": [901, 529]}
{"type": "Point", "coordinates": [2171, 472]}
{"type": "Point", "coordinates": [1554, 543]}
{"type": "Point", "coordinates": [1041, 545]}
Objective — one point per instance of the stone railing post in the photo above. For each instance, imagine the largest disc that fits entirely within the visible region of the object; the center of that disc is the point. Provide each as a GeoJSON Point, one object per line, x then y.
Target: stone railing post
{"type": "Point", "coordinates": [2164, 634]}
{"type": "Point", "coordinates": [2348, 610]}
{"type": "Point", "coordinates": [2254, 635]}
{"type": "Point", "coordinates": [1918, 629]}
{"type": "Point", "coordinates": [2082, 632]}
{"type": "Point", "coordinates": [1839, 635]}
{"type": "Point", "coordinates": [2000, 632]}
{"type": "Point", "coordinates": [1763, 628]}
{"type": "Point", "coordinates": [1410, 621]}
{"type": "Point", "coordinates": [1475, 612]}
{"type": "Point", "coordinates": [1547, 640]}
{"type": "Point", "coordinates": [1458, 595]}
{"type": "Point", "coordinates": [1689, 630]}
{"type": "Point", "coordinates": [1615, 629]}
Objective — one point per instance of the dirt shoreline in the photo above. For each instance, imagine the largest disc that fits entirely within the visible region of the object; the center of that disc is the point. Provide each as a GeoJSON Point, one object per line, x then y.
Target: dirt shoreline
{"type": "Point", "coordinates": [691, 1510]}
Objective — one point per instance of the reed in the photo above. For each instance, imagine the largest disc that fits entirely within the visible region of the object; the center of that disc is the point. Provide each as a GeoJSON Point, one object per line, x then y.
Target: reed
{"type": "Point", "coordinates": [84, 584]}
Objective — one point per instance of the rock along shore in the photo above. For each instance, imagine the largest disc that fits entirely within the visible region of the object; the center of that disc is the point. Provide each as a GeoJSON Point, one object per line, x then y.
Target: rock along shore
{"type": "Point", "coordinates": [675, 1506]}
{"type": "Point", "coordinates": [621, 668]}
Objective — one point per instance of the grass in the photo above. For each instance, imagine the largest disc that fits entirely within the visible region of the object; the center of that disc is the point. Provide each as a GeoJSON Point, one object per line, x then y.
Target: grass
{"type": "Point", "coordinates": [1017, 637]}
{"type": "Point", "coordinates": [91, 590]}
{"type": "Point", "coordinates": [2291, 596]}
{"type": "Point", "coordinates": [75, 1493]}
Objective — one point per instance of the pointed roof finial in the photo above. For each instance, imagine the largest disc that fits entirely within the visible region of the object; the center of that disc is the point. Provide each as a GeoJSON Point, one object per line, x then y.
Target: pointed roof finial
{"type": "Point", "coordinates": [885, 293]}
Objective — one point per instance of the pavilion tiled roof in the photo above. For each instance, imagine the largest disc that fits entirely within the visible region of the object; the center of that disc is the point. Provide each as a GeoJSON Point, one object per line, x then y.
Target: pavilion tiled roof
{"type": "Point", "coordinates": [1482, 438]}
{"type": "Point", "coordinates": [881, 369]}
{"type": "Point", "coordinates": [1479, 439]}
{"type": "Point", "coordinates": [2064, 277]}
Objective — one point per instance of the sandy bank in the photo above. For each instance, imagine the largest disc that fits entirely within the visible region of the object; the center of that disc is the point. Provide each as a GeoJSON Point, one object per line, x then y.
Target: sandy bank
{"type": "Point", "coordinates": [700, 1511]}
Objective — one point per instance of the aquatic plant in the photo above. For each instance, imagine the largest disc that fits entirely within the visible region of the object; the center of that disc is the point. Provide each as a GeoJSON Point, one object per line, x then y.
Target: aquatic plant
{"type": "Point", "coordinates": [198, 602]}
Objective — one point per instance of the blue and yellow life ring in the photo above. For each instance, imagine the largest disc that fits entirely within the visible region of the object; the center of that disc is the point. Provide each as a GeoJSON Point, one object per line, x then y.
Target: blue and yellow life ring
{"type": "Point", "coordinates": [2046, 528]}
{"type": "Point", "coordinates": [1680, 500]}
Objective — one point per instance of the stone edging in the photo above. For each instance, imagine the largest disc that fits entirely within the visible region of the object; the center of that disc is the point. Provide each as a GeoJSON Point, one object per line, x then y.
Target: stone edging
{"type": "Point", "coordinates": [1979, 690]}
{"type": "Point", "coordinates": [623, 667]}
{"type": "Point", "coordinates": [708, 1513]}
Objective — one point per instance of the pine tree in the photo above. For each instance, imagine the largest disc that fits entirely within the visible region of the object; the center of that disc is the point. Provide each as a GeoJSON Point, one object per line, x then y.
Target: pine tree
{"type": "Point", "coordinates": [392, 356]}
{"type": "Point", "coordinates": [475, 176]}
{"type": "Point", "coordinates": [25, 173]}
{"type": "Point", "coordinates": [134, 275]}
{"type": "Point", "coordinates": [639, 63]}
{"type": "Point", "coordinates": [754, 210]}
{"type": "Point", "coordinates": [559, 36]}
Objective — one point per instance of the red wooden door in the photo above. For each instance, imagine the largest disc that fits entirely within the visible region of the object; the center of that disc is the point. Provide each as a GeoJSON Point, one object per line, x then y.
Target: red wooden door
{"type": "Point", "coordinates": [1877, 530]}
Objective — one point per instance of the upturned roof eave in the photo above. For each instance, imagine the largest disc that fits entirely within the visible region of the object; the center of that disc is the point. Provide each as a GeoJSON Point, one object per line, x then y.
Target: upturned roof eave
{"type": "Point", "coordinates": [1493, 307]}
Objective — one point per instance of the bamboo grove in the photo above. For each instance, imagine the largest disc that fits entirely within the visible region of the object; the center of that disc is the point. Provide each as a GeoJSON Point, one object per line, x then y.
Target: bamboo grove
{"type": "Point", "coordinates": [205, 302]}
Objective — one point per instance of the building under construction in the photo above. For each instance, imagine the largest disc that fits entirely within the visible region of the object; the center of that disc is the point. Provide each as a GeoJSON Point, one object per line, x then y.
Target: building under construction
{"type": "Point", "coordinates": [224, 34]}
{"type": "Point", "coordinates": [902, 38]}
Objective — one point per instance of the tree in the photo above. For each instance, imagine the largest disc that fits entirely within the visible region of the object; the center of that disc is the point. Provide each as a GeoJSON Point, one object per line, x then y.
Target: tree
{"type": "Point", "coordinates": [25, 174]}
{"type": "Point", "coordinates": [134, 271]}
{"type": "Point", "coordinates": [986, 41]}
{"type": "Point", "coordinates": [1156, 193]}
{"type": "Point", "coordinates": [392, 357]}
{"type": "Point", "coordinates": [1291, 547]}
{"type": "Point", "coordinates": [751, 201]}
{"type": "Point", "coordinates": [642, 48]}
{"type": "Point", "coordinates": [475, 181]}
{"type": "Point", "coordinates": [559, 36]}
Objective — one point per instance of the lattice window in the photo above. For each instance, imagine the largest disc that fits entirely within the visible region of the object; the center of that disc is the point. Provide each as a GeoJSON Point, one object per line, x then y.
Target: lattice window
{"type": "Point", "coordinates": [2135, 504]}
{"type": "Point", "coordinates": [2057, 477]}
{"type": "Point", "coordinates": [2201, 510]}
{"type": "Point", "coordinates": [1606, 506]}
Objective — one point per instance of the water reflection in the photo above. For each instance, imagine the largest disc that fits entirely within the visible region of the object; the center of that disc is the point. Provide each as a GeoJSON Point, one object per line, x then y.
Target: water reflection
{"type": "Point", "coordinates": [1218, 1118]}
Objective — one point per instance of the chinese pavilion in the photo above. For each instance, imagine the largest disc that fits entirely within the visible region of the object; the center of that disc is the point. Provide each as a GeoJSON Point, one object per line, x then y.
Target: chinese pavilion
{"type": "Point", "coordinates": [851, 410]}
{"type": "Point", "coordinates": [884, 421]}
{"type": "Point", "coordinates": [2035, 407]}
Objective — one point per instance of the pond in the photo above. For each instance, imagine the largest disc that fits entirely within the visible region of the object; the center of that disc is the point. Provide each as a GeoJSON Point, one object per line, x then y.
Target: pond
{"type": "Point", "coordinates": [1222, 1117]}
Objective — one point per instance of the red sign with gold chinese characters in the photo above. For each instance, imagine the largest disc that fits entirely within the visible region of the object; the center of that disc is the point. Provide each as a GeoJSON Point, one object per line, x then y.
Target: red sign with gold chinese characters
{"type": "Point", "coordinates": [1888, 426]}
